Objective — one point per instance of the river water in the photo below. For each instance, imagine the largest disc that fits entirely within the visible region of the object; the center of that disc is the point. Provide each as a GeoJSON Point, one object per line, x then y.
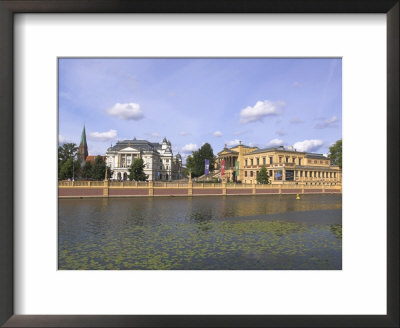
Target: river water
{"type": "Point", "coordinates": [268, 232]}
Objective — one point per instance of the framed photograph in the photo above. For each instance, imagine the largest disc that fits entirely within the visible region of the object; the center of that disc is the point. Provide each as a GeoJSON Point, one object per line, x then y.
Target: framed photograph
{"type": "Point", "coordinates": [183, 165]}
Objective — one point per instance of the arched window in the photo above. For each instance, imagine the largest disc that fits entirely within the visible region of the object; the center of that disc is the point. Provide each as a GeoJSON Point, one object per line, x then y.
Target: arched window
{"type": "Point", "coordinates": [119, 176]}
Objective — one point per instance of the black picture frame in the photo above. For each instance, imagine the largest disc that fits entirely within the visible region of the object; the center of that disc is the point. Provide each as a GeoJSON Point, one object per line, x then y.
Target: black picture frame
{"type": "Point", "coordinates": [10, 7]}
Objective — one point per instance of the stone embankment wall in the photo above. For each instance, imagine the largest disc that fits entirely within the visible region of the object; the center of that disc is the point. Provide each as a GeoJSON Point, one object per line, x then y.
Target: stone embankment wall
{"type": "Point", "coordinates": [68, 189]}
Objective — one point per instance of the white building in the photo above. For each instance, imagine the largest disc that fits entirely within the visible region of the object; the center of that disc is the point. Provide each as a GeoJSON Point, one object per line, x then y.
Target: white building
{"type": "Point", "coordinates": [158, 159]}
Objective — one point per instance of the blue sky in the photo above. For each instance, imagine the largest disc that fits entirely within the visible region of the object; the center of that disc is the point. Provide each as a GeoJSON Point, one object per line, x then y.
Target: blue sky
{"type": "Point", "coordinates": [262, 102]}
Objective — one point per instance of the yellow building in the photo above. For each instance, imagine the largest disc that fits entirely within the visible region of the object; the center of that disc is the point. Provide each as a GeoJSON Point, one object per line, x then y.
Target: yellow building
{"type": "Point", "coordinates": [284, 165]}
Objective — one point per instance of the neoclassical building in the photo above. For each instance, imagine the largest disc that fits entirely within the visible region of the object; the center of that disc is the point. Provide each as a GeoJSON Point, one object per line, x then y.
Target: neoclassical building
{"type": "Point", "coordinates": [159, 161]}
{"type": "Point", "coordinates": [284, 165]}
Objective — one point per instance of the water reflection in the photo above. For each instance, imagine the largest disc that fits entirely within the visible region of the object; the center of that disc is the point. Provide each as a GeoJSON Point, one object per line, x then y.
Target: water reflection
{"type": "Point", "coordinates": [235, 232]}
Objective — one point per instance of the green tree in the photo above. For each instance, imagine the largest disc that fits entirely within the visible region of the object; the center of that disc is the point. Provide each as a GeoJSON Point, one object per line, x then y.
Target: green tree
{"type": "Point", "coordinates": [65, 152]}
{"type": "Point", "coordinates": [335, 153]}
{"type": "Point", "coordinates": [87, 170]}
{"type": "Point", "coordinates": [189, 165]}
{"type": "Point", "coordinates": [99, 169]}
{"type": "Point", "coordinates": [199, 158]}
{"type": "Point", "coordinates": [70, 169]}
{"type": "Point", "coordinates": [263, 176]}
{"type": "Point", "coordinates": [136, 171]}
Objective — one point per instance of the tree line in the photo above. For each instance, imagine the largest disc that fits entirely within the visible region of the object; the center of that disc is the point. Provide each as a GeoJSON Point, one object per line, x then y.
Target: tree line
{"type": "Point", "coordinates": [71, 167]}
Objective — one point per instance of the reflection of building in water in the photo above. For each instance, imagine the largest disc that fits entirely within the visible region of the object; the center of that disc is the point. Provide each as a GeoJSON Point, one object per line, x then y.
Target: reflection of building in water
{"type": "Point", "coordinates": [284, 165]}
{"type": "Point", "coordinates": [160, 164]}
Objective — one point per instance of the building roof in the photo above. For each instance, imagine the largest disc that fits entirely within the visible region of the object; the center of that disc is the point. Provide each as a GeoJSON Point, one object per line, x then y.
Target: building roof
{"type": "Point", "coordinates": [317, 156]}
{"type": "Point", "coordinates": [288, 150]}
{"type": "Point", "coordinates": [139, 144]}
{"type": "Point", "coordinates": [91, 158]}
{"type": "Point", "coordinates": [264, 150]}
{"type": "Point", "coordinates": [228, 150]}
{"type": "Point", "coordinates": [241, 146]}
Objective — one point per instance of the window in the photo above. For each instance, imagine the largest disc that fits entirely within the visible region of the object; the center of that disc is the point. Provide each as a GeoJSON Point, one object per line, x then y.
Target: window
{"type": "Point", "coordinates": [270, 173]}
{"type": "Point", "coordinates": [287, 159]}
{"type": "Point", "coordinates": [251, 162]}
{"type": "Point", "coordinates": [315, 162]}
{"type": "Point", "coordinates": [319, 174]}
{"type": "Point", "coordinates": [167, 160]}
{"type": "Point", "coordinates": [301, 174]}
{"type": "Point", "coordinates": [245, 162]}
{"type": "Point", "coordinates": [305, 174]}
{"type": "Point", "coordinates": [271, 160]}
{"type": "Point", "coordinates": [160, 167]}
{"type": "Point", "coordinates": [280, 159]}
{"type": "Point", "coordinates": [258, 161]}
{"type": "Point", "coordinates": [299, 161]}
{"type": "Point", "coordinates": [294, 159]}
{"type": "Point", "coordinates": [160, 160]}
{"type": "Point", "coordinates": [264, 160]}
{"type": "Point", "coordinates": [245, 174]}
{"type": "Point", "coordinates": [334, 175]}
{"type": "Point", "coordinates": [251, 173]}
{"type": "Point", "coordinates": [278, 175]}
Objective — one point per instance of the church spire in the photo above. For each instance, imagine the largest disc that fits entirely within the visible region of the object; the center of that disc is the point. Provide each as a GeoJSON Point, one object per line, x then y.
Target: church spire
{"type": "Point", "coordinates": [83, 148]}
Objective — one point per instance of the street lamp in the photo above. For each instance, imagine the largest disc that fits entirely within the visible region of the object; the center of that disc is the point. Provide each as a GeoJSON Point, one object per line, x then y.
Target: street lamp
{"type": "Point", "coordinates": [73, 168]}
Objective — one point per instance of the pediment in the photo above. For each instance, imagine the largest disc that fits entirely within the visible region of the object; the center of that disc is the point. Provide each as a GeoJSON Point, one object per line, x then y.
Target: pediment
{"type": "Point", "coordinates": [130, 149]}
{"type": "Point", "coordinates": [227, 152]}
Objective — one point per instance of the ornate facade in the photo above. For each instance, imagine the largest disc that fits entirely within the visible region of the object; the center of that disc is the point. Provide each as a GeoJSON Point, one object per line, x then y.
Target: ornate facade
{"type": "Point", "coordinates": [284, 165]}
{"type": "Point", "coordinates": [159, 161]}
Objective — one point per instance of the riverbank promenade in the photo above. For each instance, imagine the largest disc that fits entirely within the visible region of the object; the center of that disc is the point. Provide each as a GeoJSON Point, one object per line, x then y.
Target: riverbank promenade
{"type": "Point", "coordinates": [73, 189]}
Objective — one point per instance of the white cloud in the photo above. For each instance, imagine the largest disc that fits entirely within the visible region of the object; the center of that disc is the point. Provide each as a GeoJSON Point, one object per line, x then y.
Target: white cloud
{"type": "Point", "coordinates": [296, 120]}
{"type": "Point", "coordinates": [260, 110]}
{"type": "Point", "coordinates": [238, 133]}
{"type": "Point", "coordinates": [129, 111]}
{"type": "Point", "coordinates": [275, 142]}
{"type": "Point", "coordinates": [217, 134]}
{"type": "Point", "coordinates": [308, 145]}
{"type": "Point", "coordinates": [280, 133]}
{"type": "Point", "coordinates": [297, 84]}
{"type": "Point", "coordinates": [183, 133]}
{"type": "Point", "coordinates": [329, 123]}
{"type": "Point", "coordinates": [103, 136]}
{"type": "Point", "coordinates": [188, 148]}
{"type": "Point", "coordinates": [62, 139]}
{"type": "Point", "coordinates": [233, 143]}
